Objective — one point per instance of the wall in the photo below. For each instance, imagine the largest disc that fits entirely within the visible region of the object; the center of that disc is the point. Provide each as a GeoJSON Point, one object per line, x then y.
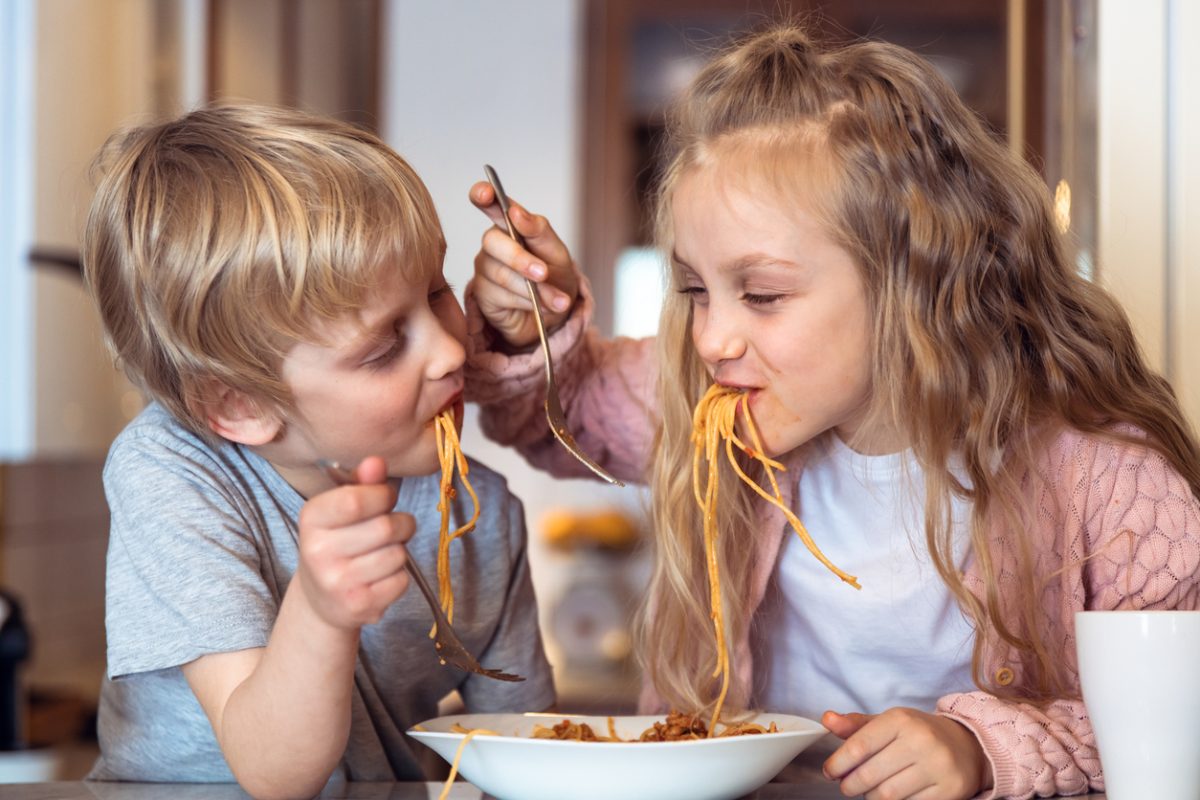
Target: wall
{"type": "Point", "coordinates": [87, 69]}
{"type": "Point", "coordinates": [476, 82]}
{"type": "Point", "coordinates": [92, 74]}
{"type": "Point", "coordinates": [1149, 209]}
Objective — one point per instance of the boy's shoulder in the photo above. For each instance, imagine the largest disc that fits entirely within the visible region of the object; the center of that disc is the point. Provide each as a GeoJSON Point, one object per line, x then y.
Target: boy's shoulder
{"type": "Point", "coordinates": [157, 454]}
{"type": "Point", "coordinates": [155, 430]}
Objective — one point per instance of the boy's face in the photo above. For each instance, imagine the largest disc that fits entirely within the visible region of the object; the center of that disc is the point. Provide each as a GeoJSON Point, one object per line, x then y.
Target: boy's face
{"type": "Point", "coordinates": [375, 384]}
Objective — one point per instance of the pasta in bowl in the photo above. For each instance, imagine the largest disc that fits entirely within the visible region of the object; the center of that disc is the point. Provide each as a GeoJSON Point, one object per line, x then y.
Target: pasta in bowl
{"type": "Point", "coordinates": [503, 759]}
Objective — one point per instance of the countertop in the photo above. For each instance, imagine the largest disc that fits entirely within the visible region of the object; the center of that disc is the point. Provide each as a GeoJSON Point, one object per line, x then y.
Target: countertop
{"type": "Point", "coordinates": [822, 790]}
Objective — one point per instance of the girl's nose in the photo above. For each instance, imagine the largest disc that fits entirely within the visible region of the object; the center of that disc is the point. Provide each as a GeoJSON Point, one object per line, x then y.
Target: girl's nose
{"type": "Point", "coordinates": [718, 337]}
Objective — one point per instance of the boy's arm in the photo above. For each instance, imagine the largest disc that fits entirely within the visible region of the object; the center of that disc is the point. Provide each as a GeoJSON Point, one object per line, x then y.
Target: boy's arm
{"type": "Point", "coordinates": [281, 713]}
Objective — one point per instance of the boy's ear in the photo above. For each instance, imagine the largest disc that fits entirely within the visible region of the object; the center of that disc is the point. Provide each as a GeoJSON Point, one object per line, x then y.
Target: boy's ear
{"type": "Point", "coordinates": [234, 415]}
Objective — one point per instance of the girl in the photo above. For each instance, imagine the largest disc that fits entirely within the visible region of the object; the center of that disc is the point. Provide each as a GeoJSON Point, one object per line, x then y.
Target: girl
{"type": "Point", "coordinates": [967, 425]}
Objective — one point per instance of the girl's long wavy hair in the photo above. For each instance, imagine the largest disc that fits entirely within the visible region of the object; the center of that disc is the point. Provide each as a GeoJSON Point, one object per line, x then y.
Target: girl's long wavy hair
{"type": "Point", "coordinates": [985, 339]}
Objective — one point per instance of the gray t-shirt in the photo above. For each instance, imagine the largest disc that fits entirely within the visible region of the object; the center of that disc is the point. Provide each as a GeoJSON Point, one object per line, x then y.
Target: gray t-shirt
{"type": "Point", "coordinates": [203, 544]}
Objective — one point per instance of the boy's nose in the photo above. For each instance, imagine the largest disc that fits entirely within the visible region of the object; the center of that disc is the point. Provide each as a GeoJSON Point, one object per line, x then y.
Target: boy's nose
{"type": "Point", "coordinates": [447, 354]}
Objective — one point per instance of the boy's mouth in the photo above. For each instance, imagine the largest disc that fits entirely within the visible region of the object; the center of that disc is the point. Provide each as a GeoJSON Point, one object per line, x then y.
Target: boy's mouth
{"type": "Point", "coordinates": [455, 406]}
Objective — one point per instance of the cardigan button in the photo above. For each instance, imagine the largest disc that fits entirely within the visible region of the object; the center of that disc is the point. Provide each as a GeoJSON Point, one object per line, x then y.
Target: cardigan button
{"type": "Point", "coordinates": [1004, 676]}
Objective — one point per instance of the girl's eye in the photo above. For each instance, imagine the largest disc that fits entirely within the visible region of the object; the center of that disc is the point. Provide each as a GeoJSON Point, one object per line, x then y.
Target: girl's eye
{"type": "Point", "coordinates": [761, 299]}
{"type": "Point", "coordinates": [693, 292]}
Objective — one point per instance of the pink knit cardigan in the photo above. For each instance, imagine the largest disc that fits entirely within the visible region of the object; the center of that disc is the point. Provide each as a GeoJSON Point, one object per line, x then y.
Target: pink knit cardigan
{"type": "Point", "coordinates": [1114, 523]}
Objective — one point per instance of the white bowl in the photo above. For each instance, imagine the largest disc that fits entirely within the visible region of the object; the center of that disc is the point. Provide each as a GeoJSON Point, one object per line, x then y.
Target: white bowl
{"type": "Point", "coordinates": [513, 766]}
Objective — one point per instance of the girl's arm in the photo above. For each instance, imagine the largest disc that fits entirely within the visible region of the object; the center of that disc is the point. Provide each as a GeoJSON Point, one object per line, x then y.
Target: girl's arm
{"type": "Point", "coordinates": [281, 713]}
{"type": "Point", "coordinates": [1129, 528]}
{"type": "Point", "coordinates": [606, 387]}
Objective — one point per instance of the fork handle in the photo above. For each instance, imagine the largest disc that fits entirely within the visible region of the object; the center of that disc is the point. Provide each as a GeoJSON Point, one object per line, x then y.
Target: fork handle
{"type": "Point", "coordinates": [434, 604]}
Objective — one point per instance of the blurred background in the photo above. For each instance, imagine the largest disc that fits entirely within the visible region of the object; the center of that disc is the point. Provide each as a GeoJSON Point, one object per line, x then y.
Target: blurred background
{"type": "Point", "coordinates": [565, 98]}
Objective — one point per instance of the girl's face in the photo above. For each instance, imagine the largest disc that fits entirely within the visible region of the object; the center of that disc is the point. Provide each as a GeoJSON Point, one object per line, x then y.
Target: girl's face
{"type": "Point", "coordinates": [779, 309]}
{"type": "Point", "coordinates": [375, 385]}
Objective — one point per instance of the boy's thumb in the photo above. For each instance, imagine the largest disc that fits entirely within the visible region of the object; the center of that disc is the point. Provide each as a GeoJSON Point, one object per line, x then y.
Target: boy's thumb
{"type": "Point", "coordinates": [371, 469]}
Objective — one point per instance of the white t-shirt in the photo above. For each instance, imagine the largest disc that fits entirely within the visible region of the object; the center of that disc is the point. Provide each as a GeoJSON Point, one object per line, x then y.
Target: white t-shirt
{"type": "Point", "coordinates": [902, 640]}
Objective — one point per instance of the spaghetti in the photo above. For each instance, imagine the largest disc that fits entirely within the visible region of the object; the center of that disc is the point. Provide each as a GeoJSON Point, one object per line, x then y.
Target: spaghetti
{"type": "Point", "coordinates": [713, 423]}
{"type": "Point", "coordinates": [676, 727]}
{"type": "Point", "coordinates": [450, 457]}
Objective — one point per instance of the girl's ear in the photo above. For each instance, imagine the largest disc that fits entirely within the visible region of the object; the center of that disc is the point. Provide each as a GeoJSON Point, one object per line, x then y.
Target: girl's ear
{"type": "Point", "coordinates": [234, 415]}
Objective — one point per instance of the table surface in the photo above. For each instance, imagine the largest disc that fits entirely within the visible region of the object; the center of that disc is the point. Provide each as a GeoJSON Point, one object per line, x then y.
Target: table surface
{"type": "Point", "coordinates": [822, 790]}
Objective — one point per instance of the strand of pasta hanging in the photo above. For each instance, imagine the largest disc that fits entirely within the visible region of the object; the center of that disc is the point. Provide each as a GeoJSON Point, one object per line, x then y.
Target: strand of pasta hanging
{"type": "Point", "coordinates": [450, 456]}
{"type": "Point", "coordinates": [713, 423]}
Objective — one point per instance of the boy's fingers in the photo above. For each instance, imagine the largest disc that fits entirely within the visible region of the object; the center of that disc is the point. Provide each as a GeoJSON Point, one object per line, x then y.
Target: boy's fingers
{"type": "Point", "coordinates": [379, 563]}
{"type": "Point", "coordinates": [347, 505]}
{"type": "Point", "coordinates": [371, 469]}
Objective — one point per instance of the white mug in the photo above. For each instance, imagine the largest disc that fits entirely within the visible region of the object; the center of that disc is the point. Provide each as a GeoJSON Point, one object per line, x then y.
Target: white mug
{"type": "Point", "coordinates": [1140, 674]}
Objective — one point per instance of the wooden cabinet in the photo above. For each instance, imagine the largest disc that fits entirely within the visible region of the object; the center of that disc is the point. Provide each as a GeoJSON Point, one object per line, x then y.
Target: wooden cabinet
{"type": "Point", "coordinates": [639, 53]}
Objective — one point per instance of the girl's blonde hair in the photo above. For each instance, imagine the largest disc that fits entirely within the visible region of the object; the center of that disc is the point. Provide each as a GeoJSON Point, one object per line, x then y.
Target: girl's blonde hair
{"type": "Point", "coordinates": [217, 240]}
{"type": "Point", "coordinates": [985, 340]}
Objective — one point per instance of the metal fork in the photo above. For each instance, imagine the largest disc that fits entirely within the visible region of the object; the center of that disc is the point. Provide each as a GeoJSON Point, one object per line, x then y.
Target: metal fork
{"type": "Point", "coordinates": [450, 648]}
{"type": "Point", "coordinates": [554, 412]}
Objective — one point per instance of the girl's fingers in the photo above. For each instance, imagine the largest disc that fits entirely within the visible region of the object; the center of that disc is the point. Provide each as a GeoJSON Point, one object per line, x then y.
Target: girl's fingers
{"type": "Point", "coordinates": [500, 247]}
{"type": "Point", "coordinates": [859, 748]}
{"type": "Point", "coordinates": [876, 770]}
{"type": "Point", "coordinates": [540, 236]}
{"type": "Point", "coordinates": [911, 783]}
{"type": "Point", "coordinates": [499, 273]}
{"type": "Point", "coordinates": [494, 298]}
{"type": "Point", "coordinates": [844, 726]}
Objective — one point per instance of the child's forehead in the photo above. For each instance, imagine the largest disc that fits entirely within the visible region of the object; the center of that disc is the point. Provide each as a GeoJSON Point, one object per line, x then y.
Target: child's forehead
{"type": "Point", "coordinates": [381, 294]}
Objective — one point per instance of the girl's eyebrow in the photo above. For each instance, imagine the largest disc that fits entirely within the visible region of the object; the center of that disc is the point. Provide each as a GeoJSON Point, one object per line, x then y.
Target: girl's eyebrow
{"type": "Point", "coordinates": [759, 260]}
{"type": "Point", "coordinates": [746, 262]}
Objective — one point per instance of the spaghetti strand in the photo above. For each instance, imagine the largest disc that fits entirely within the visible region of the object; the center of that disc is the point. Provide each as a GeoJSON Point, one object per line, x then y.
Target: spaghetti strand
{"type": "Point", "coordinates": [713, 422]}
{"type": "Point", "coordinates": [450, 458]}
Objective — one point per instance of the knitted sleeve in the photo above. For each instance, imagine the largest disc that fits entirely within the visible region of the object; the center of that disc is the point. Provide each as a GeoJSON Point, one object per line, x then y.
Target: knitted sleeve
{"type": "Point", "coordinates": [606, 388]}
{"type": "Point", "coordinates": [1128, 530]}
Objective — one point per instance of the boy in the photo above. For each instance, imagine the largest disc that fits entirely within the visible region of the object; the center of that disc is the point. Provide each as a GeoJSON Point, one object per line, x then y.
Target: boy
{"type": "Point", "coordinates": [274, 283]}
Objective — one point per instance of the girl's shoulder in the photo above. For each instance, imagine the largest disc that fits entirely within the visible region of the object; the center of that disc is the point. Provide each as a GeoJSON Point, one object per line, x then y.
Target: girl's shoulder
{"type": "Point", "coordinates": [1070, 452]}
{"type": "Point", "coordinates": [1106, 477]}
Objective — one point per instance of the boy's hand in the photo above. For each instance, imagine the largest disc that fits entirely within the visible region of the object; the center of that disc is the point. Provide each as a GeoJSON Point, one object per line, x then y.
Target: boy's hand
{"type": "Point", "coordinates": [906, 753]}
{"type": "Point", "coordinates": [352, 552]}
{"type": "Point", "coordinates": [502, 266]}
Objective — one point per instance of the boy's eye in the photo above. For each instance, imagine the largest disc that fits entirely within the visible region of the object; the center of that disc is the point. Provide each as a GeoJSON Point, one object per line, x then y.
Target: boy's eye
{"type": "Point", "coordinates": [389, 355]}
{"type": "Point", "coordinates": [442, 291]}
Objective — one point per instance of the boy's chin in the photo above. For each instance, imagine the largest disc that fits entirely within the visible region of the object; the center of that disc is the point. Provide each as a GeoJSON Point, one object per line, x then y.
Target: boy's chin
{"type": "Point", "coordinates": [413, 465]}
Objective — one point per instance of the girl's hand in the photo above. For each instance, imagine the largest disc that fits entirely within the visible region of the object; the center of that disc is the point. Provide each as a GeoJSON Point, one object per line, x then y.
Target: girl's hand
{"type": "Point", "coordinates": [352, 552]}
{"type": "Point", "coordinates": [502, 266]}
{"type": "Point", "coordinates": [906, 753]}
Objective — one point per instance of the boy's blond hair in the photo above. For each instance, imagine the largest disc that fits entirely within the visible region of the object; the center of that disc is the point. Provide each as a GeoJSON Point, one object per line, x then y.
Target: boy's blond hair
{"type": "Point", "coordinates": [217, 240]}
